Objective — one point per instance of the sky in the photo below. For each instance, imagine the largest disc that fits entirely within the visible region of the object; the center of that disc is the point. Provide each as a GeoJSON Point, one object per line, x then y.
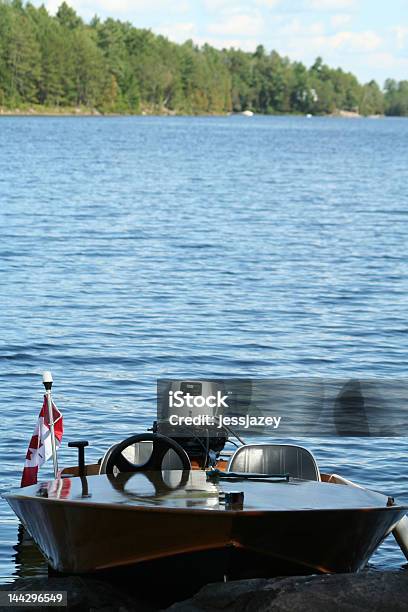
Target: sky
{"type": "Point", "coordinates": [366, 37]}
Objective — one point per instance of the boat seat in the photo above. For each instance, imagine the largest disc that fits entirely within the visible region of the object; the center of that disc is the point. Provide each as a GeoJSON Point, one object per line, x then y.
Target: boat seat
{"type": "Point", "coordinates": [296, 461]}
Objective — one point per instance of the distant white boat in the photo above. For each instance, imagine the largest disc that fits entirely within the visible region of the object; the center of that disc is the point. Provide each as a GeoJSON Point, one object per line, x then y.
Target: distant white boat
{"type": "Point", "coordinates": [309, 116]}
{"type": "Point", "coordinates": [247, 113]}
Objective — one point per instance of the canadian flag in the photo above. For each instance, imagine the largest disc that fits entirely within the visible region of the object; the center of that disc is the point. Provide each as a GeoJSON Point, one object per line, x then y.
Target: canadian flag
{"type": "Point", "coordinates": [40, 447]}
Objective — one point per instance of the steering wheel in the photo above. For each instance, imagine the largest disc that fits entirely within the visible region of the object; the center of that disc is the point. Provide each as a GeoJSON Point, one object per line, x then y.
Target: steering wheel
{"type": "Point", "coordinates": [161, 445]}
{"type": "Point", "coordinates": [161, 488]}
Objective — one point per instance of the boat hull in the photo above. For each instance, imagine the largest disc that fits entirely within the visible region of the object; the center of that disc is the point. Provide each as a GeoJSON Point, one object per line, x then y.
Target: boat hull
{"type": "Point", "coordinates": [83, 537]}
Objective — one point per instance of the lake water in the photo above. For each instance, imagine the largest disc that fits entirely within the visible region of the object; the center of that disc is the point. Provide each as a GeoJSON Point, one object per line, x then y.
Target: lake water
{"type": "Point", "coordinates": [138, 248]}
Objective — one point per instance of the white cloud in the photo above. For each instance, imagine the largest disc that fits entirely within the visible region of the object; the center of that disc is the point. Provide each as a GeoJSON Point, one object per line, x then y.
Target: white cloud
{"type": "Point", "coordinates": [296, 27]}
{"type": "Point", "coordinates": [350, 50]}
{"type": "Point", "coordinates": [238, 25]}
{"type": "Point", "coordinates": [116, 6]}
{"type": "Point", "coordinates": [268, 3]}
{"type": "Point", "coordinates": [401, 34]}
{"type": "Point", "coordinates": [340, 20]}
{"type": "Point", "coordinates": [235, 6]}
{"type": "Point", "coordinates": [218, 5]}
{"type": "Point", "coordinates": [178, 32]}
{"type": "Point", "coordinates": [329, 5]}
{"type": "Point", "coordinates": [123, 8]}
{"type": "Point", "coordinates": [355, 41]}
{"type": "Point", "coordinates": [387, 61]}
{"type": "Point", "coordinates": [327, 45]}
{"type": "Point", "coordinates": [315, 28]}
{"type": "Point", "coordinates": [140, 6]}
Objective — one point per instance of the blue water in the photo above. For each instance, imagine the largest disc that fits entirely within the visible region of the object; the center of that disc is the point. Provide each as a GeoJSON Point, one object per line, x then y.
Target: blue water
{"type": "Point", "coordinates": [137, 248]}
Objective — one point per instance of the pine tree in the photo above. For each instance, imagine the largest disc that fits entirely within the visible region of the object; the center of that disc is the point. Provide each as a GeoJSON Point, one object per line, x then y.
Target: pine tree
{"type": "Point", "coordinates": [23, 60]}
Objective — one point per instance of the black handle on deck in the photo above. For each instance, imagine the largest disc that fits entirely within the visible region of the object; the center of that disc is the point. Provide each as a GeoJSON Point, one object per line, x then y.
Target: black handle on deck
{"type": "Point", "coordinates": [80, 445]}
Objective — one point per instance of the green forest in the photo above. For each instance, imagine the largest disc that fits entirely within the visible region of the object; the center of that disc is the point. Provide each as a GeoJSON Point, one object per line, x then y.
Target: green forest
{"type": "Point", "coordinates": [60, 61]}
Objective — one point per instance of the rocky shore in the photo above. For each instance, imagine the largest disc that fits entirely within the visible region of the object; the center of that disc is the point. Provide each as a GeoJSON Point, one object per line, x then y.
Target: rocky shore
{"type": "Point", "coordinates": [374, 592]}
{"type": "Point", "coordinates": [83, 111]}
{"type": "Point", "coordinates": [366, 591]}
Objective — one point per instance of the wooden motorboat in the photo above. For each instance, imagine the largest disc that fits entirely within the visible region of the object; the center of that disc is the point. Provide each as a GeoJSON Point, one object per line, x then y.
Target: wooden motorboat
{"type": "Point", "coordinates": [120, 513]}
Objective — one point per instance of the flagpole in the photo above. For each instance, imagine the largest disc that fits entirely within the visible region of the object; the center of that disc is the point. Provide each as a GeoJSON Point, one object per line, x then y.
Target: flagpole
{"type": "Point", "coordinates": [47, 382]}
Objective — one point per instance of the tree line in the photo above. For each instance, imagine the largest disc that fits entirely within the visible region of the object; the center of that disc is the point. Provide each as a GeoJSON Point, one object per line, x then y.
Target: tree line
{"type": "Point", "coordinates": [112, 66]}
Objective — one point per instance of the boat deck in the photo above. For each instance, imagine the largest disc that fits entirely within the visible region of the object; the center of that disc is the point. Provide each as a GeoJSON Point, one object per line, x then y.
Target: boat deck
{"type": "Point", "coordinates": [178, 491]}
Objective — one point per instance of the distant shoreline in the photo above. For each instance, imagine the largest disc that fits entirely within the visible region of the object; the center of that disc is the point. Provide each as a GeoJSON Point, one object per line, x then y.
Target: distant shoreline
{"type": "Point", "coordinates": [93, 112]}
{"type": "Point", "coordinates": [59, 60]}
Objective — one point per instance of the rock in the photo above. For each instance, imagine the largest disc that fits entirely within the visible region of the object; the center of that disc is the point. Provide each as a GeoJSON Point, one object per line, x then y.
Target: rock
{"type": "Point", "coordinates": [373, 591]}
{"type": "Point", "coordinates": [346, 114]}
{"type": "Point", "coordinates": [84, 594]}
